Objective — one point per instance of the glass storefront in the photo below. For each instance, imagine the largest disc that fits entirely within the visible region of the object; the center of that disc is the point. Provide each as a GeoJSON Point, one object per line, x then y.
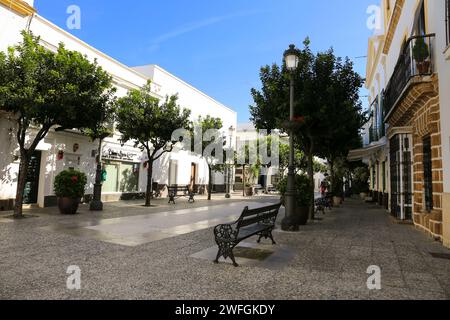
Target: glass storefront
{"type": "Point", "coordinates": [121, 177]}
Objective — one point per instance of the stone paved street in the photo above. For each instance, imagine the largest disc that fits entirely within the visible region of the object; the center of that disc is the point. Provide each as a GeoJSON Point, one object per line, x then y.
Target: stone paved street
{"type": "Point", "coordinates": [132, 252]}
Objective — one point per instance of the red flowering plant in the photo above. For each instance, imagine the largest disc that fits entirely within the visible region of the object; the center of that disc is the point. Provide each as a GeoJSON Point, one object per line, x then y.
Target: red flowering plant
{"type": "Point", "coordinates": [70, 184]}
{"type": "Point", "coordinates": [294, 124]}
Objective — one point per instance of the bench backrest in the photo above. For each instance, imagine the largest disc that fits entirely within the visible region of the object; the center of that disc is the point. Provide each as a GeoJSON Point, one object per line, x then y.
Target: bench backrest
{"type": "Point", "coordinates": [253, 216]}
{"type": "Point", "coordinates": [175, 189]}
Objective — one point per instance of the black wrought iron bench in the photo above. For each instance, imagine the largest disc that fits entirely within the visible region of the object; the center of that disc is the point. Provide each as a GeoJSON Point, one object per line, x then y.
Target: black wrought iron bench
{"type": "Point", "coordinates": [255, 222]}
{"type": "Point", "coordinates": [323, 203]}
{"type": "Point", "coordinates": [178, 192]}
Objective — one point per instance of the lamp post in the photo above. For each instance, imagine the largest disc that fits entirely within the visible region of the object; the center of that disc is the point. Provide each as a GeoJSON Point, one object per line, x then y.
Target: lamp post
{"type": "Point", "coordinates": [228, 195]}
{"type": "Point", "coordinates": [96, 203]}
{"type": "Point", "coordinates": [291, 59]}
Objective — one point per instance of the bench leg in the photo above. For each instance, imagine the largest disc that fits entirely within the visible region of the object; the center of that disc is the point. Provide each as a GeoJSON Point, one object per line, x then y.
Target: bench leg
{"type": "Point", "coordinates": [271, 238]}
{"type": "Point", "coordinates": [171, 199]}
{"type": "Point", "coordinates": [266, 235]}
{"type": "Point", "coordinates": [219, 254]}
{"type": "Point", "coordinates": [226, 252]}
{"type": "Point", "coordinates": [232, 259]}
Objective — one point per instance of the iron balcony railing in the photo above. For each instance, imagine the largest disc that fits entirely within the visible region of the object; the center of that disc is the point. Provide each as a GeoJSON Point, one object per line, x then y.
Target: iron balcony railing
{"type": "Point", "coordinates": [416, 60]}
{"type": "Point", "coordinates": [373, 134]}
{"type": "Point", "coordinates": [376, 133]}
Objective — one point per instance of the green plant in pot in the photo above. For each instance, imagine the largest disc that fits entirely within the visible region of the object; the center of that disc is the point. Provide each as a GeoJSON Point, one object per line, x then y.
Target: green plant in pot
{"type": "Point", "coordinates": [361, 176]}
{"type": "Point", "coordinates": [69, 187]}
{"type": "Point", "coordinates": [303, 199]}
{"type": "Point", "coordinates": [421, 54]}
{"type": "Point", "coordinates": [338, 190]}
{"type": "Point", "coordinates": [248, 190]}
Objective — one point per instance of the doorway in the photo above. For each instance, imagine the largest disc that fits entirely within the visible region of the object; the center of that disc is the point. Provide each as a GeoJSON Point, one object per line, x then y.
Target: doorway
{"type": "Point", "coordinates": [30, 195]}
{"type": "Point", "coordinates": [193, 176]}
{"type": "Point", "coordinates": [401, 176]}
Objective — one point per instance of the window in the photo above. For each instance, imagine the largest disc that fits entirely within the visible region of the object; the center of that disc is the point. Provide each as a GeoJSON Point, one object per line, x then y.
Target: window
{"type": "Point", "coordinates": [173, 173]}
{"type": "Point", "coordinates": [121, 177]}
{"type": "Point", "coordinates": [428, 174]}
{"type": "Point", "coordinates": [421, 28]}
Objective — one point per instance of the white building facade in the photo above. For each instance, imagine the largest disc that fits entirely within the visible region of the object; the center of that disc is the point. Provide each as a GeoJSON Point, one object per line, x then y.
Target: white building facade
{"type": "Point", "coordinates": [125, 165]}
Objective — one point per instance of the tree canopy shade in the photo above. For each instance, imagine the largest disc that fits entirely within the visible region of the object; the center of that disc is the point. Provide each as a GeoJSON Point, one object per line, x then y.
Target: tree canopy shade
{"type": "Point", "coordinates": [326, 102]}
{"type": "Point", "coordinates": [150, 124]}
{"type": "Point", "coordinates": [49, 90]}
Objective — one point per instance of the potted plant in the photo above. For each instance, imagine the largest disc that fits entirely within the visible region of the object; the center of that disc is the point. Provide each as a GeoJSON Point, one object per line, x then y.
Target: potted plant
{"type": "Point", "coordinates": [69, 187]}
{"type": "Point", "coordinates": [248, 190]}
{"type": "Point", "coordinates": [421, 54]}
{"type": "Point", "coordinates": [252, 173]}
{"type": "Point", "coordinates": [303, 199]}
{"type": "Point", "coordinates": [361, 177]}
{"type": "Point", "coordinates": [338, 188]}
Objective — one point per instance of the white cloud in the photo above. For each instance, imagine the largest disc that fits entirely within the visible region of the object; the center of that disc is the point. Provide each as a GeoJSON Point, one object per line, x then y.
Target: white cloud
{"type": "Point", "coordinates": [156, 44]}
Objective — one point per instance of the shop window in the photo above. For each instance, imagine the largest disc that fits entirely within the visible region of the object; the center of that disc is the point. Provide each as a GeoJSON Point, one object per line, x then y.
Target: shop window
{"type": "Point", "coordinates": [121, 177]}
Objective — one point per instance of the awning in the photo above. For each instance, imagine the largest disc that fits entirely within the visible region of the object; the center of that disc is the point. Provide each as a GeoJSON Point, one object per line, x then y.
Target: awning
{"type": "Point", "coordinates": [360, 154]}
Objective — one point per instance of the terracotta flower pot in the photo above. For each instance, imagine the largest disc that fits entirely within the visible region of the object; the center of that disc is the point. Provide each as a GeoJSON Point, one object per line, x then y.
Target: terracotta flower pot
{"type": "Point", "coordinates": [248, 191]}
{"type": "Point", "coordinates": [423, 67]}
{"type": "Point", "coordinates": [337, 201]}
{"type": "Point", "coordinates": [68, 205]}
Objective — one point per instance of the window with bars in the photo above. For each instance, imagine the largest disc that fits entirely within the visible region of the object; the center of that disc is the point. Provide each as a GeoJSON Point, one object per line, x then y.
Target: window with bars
{"type": "Point", "coordinates": [428, 174]}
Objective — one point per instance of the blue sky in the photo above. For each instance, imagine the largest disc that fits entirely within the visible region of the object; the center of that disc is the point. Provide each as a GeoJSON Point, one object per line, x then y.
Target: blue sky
{"type": "Point", "coordinates": [218, 46]}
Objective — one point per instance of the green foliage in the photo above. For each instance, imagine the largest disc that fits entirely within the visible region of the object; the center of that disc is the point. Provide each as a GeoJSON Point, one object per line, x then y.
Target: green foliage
{"type": "Point", "coordinates": [320, 167]}
{"type": "Point", "coordinates": [302, 185]}
{"type": "Point", "coordinates": [420, 50]}
{"type": "Point", "coordinates": [141, 118]}
{"type": "Point", "coordinates": [48, 89]}
{"type": "Point", "coordinates": [70, 184]}
{"type": "Point", "coordinates": [326, 98]}
{"type": "Point", "coordinates": [299, 157]}
{"type": "Point", "coordinates": [361, 177]}
{"type": "Point", "coordinates": [205, 124]}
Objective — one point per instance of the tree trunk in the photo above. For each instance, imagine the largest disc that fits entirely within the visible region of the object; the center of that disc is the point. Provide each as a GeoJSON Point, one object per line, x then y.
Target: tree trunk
{"type": "Point", "coordinates": [21, 180]}
{"type": "Point", "coordinates": [243, 180]}
{"type": "Point", "coordinates": [209, 183]}
{"type": "Point", "coordinates": [331, 161]}
{"type": "Point", "coordinates": [148, 194]}
{"type": "Point", "coordinates": [311, 181]}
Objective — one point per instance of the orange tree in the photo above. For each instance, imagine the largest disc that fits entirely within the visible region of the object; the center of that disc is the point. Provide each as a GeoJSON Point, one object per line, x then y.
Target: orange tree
{"type": "Point", "coordinates": [44, 90]}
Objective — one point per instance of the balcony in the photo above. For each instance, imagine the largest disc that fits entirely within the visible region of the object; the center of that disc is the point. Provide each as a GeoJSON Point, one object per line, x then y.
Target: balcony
{"type": "Point", "coordinates": [376, 133]}
{"type": "Point", "coordinates": [414, 64]}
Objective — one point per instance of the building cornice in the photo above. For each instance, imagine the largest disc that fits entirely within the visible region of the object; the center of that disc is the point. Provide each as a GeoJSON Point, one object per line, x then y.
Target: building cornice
{"type": "Point", "coordinates": [373, 60]}
{"type": "Point", "coordinates": [19, 6]}
{"type": "Point", "coordinates": [395, 18]}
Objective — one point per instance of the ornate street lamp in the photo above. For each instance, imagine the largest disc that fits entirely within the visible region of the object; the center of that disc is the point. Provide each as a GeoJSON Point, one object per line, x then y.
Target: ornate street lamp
{"type": "Point", "coordinates": [229, 166]}
{"type": "Point", "coordinates": [96, 203]}
{"type": "Point", "coordinates": [291, 59]}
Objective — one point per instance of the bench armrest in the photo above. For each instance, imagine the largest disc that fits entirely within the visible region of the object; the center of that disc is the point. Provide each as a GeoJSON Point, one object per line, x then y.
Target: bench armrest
{"type": "Point", "coordinates": [225, 232]}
